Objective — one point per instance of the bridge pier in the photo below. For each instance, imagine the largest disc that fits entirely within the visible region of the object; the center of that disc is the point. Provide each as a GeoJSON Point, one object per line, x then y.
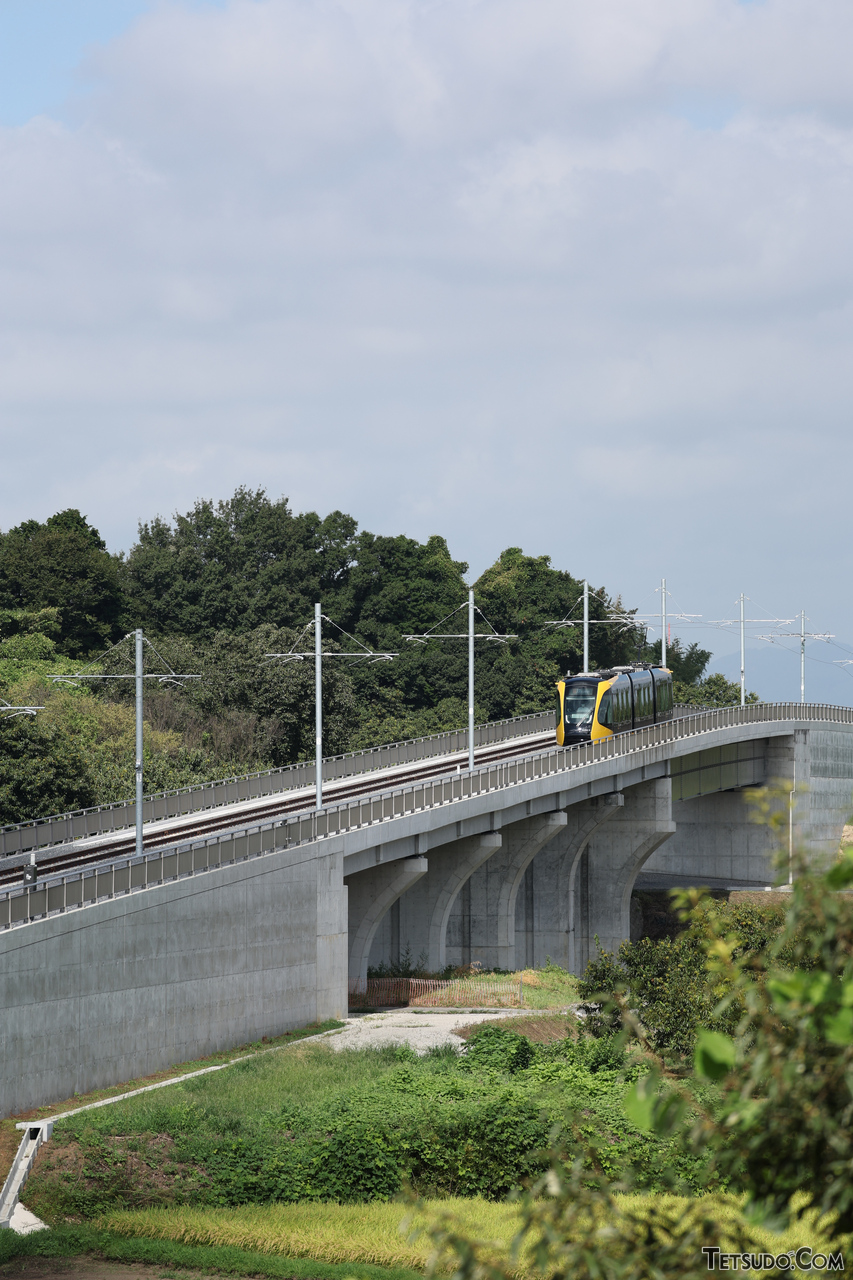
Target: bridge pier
{"type": "Point", "coordinates": [608, 864]}
{"type": "Point", "coordinates": [482, 923]}
{"type": "Point", "coordinates": [587, 819]}
{"type": "Point", "coordinates": [425, 908]}
{"type": "Point", "coordinates": [372, 893]}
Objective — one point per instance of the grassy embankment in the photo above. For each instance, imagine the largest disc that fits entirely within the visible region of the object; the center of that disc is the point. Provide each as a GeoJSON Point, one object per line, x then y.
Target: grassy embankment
{"type": "Point", "coordinates": [10, 1137]}
{"type": "Point", "coordinates": [318, 1126]}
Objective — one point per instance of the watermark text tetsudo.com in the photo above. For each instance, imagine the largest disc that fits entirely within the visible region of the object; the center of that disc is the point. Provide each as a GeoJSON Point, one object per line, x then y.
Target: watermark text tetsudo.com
{"type": "Point", "coordinates": [804, 1259]}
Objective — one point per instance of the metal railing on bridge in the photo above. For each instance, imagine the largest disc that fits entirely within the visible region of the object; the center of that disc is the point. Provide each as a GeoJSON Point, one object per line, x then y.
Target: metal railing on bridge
{"type": "Point", "coordinates": [81, 888]}
{"type": "Point", "coordinates": [101, 819]}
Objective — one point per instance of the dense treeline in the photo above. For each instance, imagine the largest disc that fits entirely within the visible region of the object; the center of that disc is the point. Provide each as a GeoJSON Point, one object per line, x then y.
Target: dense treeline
{"type": "Point", "coordinates": [218, 589]}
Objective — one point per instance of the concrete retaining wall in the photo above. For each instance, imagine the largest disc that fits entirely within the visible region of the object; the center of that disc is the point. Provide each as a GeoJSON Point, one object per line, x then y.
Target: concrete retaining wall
{"type": "Point", "coordinates": [130, 986]}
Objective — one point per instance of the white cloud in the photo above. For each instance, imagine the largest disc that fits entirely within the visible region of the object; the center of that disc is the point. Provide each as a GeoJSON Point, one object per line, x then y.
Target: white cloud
{"type": "Point", "coordinates": [448, 264]}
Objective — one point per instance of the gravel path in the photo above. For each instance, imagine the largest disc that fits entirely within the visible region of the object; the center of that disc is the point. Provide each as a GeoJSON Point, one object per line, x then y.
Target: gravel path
{"type": "Point", "coordinates": [422, 1029]}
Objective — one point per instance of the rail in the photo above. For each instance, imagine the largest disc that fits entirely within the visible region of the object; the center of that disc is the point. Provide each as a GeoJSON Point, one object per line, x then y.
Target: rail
{"type": "Point", "coordinates": [126, 875]}
{"type": "Point", "coordinates": [25, 837]}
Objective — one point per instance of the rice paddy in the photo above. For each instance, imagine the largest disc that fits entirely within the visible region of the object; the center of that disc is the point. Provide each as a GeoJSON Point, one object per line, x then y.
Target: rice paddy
{"type": "Point", "coordinates": [393, 1235]}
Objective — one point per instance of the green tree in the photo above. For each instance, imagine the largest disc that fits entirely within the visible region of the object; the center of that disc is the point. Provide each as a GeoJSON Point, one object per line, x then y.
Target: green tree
{"type": "Point", "coordinates": [264, 705]}
{"type": "Point", "coordinates": [62, 565]}
{"type": "Point", "coordinates": [237, 675]}
{"type": "Point", "coordinates": [28, 634]}
{"type": "Point", "coordinates": [42, 771]}
{"type": "Point", "coordinates": [235, 565]}
{"type": "Point", "coordinates": [714, 691]}
{"type": "Point", "coordinates": [686, 664]}
{"type": "Point", "coordinates": [784, 1124]}
{"type": "Point", "coordinates": [396, 585]}
{"type": "Point", "coordinates": [520, 594]}
{"type": "Point", "coordinates": [25, 622]}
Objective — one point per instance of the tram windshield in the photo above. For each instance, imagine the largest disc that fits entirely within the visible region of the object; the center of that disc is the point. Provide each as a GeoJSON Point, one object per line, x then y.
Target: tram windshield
{"type": "Point", "coordinates": [579, 705]}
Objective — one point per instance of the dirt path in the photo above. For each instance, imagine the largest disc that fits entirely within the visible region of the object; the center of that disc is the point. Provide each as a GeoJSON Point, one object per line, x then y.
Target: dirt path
{"type": "Point", "coordinates": [421, 1029]}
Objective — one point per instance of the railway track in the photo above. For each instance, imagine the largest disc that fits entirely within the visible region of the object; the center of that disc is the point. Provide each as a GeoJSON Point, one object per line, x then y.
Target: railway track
{"type": "Point", "coordinates": [60, 859]}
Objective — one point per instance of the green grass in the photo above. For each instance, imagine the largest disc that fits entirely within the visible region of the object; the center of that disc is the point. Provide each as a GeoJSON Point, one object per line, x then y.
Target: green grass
{"type": "Point", "coordinates": [10, 1137]}
{"type": "Point", "coordinates": [549, 988]}
{"type": "Point", "coordinates": [226, 1056]}
{"type": "Point", "coordinates": [355, 1126]}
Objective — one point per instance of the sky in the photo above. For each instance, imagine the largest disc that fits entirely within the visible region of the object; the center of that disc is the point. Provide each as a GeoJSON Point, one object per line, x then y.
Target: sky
{"type": "Point", "coordinates": [539, 273]}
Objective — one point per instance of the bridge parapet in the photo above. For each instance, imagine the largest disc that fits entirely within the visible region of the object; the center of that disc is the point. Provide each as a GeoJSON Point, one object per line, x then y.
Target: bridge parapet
{"type": "Point", "coordinates": [639, 746]}
{"type": "Point", "coordinates": [59, 828]}
{"type": "Point", "coordinates": [415, 804]}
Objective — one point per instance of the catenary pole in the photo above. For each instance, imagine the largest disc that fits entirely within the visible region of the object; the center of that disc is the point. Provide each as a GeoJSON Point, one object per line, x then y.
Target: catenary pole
{"type": "Point", "coordinates": [585, 625]}
{"type": "Point", "coordinates": [471, 678]}
{"type": "Point", "coordinates": [472, 635]}
{"type": "Point", "coordinates": [293, 655]}
{"type": "Point", "coordinates": [742, 672]}
{"type": "Point", "coordinates": [318, 702]}
{"type": "Point", "coordinates": [139, 676]}
{"type": "Point", "coordinates": [138, 639]}
{"type": "Point", "coordinates": [663, 622]}
{"type": "Point", "coordinates": [802, 635]}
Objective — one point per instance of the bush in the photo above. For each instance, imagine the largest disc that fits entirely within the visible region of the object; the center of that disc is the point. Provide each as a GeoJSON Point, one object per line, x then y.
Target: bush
{"type": "Point", "coordinates": [42, 770]}
{"type": "Point", "coordinates": [666, 983]}
{"type": "Point", "coordinates": [497, 1049]}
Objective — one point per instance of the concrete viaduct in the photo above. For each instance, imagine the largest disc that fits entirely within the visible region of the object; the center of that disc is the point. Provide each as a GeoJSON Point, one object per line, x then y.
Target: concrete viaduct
{"type": "Point", "coordinates": [119, 969]}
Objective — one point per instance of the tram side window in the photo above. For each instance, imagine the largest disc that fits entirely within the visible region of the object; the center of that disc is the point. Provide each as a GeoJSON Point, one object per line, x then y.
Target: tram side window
{"type": "Point", "coordinates": [605, 711]}
{"type": "Point", "coordinates": [664, 694]}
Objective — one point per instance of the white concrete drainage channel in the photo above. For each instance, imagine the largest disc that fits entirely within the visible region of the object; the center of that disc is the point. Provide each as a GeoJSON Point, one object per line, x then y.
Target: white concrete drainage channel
{"type": "Point", "coordinates": [13, 1214]}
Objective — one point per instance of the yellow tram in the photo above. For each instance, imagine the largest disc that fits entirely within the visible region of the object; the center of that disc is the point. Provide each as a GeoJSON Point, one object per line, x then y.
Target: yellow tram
{"type": "Point", "coordinates": [597, 704]}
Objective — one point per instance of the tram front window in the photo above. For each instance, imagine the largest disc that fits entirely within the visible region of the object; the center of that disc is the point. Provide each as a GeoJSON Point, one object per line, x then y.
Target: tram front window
{"type": "Point", "coordinates": [580, 705]}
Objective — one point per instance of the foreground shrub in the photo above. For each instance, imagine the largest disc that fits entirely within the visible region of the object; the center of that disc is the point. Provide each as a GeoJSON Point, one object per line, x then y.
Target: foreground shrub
{"type": "Point", "coordinates": [784, 1121]}
{"type": "Point", "coordinates": [570, 1229]}
{"type": "Point", "coordinates": [781, 1129]}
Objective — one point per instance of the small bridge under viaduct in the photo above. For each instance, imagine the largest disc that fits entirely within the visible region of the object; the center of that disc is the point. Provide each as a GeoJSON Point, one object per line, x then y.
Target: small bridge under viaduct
{"type": "Point", "coordinates": [118, 970]}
